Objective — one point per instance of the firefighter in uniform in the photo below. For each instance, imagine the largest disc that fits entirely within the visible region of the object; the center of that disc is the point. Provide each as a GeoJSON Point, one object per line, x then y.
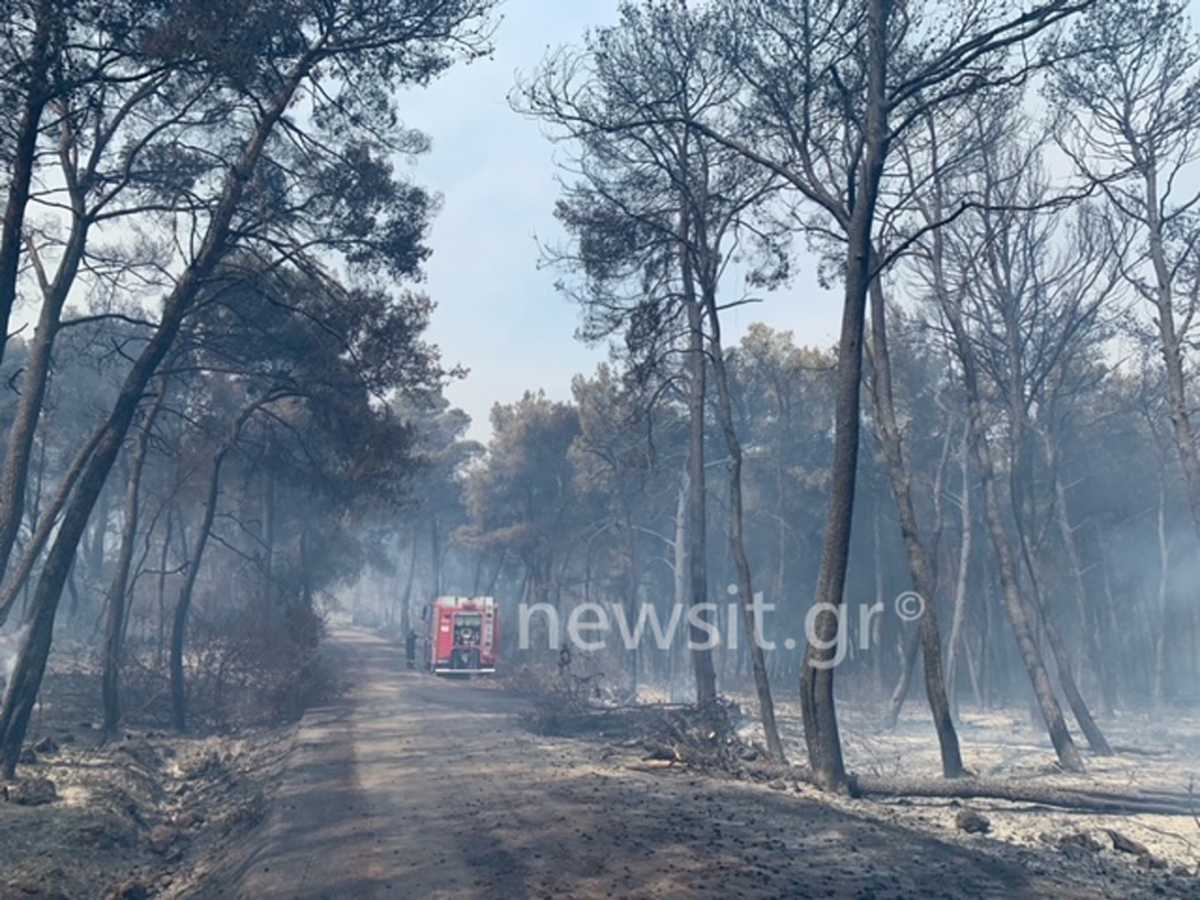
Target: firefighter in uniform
{"type": "Point", "coordinates": [410, 648]}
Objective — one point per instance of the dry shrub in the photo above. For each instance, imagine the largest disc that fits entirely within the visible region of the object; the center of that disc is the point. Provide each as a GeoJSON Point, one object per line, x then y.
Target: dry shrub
{"type": "Point", "coordinates": [239, 672]}
{"type": "Point", "coordinates": [243, 673]}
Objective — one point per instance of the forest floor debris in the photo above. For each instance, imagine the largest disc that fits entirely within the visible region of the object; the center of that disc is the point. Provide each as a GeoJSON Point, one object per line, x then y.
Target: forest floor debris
{"type": "Point", "coordinates": [650, 798]}
{"type": "Point", "coordinates": [538, 815]}
{"type": "Point", "coordinates": [146, 815]}
{"type": "Point", "coordinates": [1000, 747]}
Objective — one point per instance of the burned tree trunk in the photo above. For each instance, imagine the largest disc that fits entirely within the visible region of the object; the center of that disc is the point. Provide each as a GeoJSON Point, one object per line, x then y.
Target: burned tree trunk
{"type": "Point", "coordinates": [816, 682]}
{"type": "Point", "coordinates": [1018, 613]}
{"type": "Point", "coordinates": [762, 683]}
{"type": "Point", "coordinates": [114, 630]}
{"type": "Point", "coordinates": [46, 523]}
{"type": "Point", "coordinates": [1020, 491]}
{"type": "Point", "coordinates": [966, 526]}
{"type": "Point", "coordinates": [697, 515]}
{"type": "Point", "coordinates": [20, 164]}
{"type": "Point", "coordinates": [184, 602]}
{"type": "Point", "coordinates": [919, 564]}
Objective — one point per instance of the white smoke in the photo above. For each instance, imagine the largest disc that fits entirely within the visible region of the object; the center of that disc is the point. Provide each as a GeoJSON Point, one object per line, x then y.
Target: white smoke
{"type": "Point", "coordinates": [10, 647]}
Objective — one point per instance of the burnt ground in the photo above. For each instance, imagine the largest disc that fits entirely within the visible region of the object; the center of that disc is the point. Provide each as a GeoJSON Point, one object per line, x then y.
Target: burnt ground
{"type": "Point", "coordinates": [149, 815]}
{"type": "Point", "coordinates": [411, 786]}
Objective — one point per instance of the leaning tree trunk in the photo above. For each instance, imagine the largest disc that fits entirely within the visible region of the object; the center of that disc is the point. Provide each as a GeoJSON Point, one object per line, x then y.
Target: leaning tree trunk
{"type": "Point", "coordinates": [981, 453]}
{"type": "Point", "coordinates": [1079, 708]}
{"type": "Point", "coordinates": [14, 476]}
{"type": "Point", "coordinates": [1022, 503]}
{"type": "Point", "coordinates": [909, 647]}
{"type": "Point", "coordinates": [46, 524]}
{"type": "Point", "coordinates": [919, 565]}
{"type": "Point", "coordinates": [1018, 613]}
{"type": "Point", "coordinates": [21, 694]}
{"type": "Point", "coordinates": [1091, 640]}
{"type": "Point", "coordinates": [23, 688]}
{"type": "Point", "coordinates": [21, 163]}
{"type": "Point", "coordinates": [754, 626]}
{"type": "Point", "coordinates": [114, 629]}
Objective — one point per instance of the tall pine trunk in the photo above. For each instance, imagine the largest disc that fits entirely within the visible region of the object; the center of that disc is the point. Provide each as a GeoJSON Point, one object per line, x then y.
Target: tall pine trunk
{"type": "Point", "coordinates": [816, 681]}
{"type": "Point", "coordinates": [966, 527]}
{"type": "Point", "coordinates": [919, 565]}
{"type": "Point", "coordinates": [21, 164]}
{"type": "Point", "coordinates": [114, 630]}
{"type": "Point", "coordinates": [762, 683]}
{"type": "Point", "coordinates": [1018, 613]}
{"type": "Point", "coordinates": [697, 515]}
{"type": "Point", "coordinates": [183, 604]}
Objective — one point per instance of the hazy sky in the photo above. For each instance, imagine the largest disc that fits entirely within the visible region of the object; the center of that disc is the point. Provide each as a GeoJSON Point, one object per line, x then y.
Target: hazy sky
{"type": "Point", "coordinates": [497, 313]}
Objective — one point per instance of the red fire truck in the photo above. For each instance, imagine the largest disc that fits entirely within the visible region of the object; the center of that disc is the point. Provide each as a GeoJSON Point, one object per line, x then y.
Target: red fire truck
{"type": "Point", "coordinates": [464, 636]}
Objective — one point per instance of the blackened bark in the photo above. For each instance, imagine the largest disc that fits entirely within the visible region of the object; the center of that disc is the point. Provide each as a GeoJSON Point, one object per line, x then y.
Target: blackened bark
{"type": "Point", "coordinates": [762, 682]}
{"type": "Point", "coordinates": [1018, 613]}
{"type": "Point", "coordinates": [697, 517]}
{"type": "Point", "coordinates": [184, 604]}
{"type": "Point", "coordinates": [45, 527]}
{"type": "Point", "coordinates": [919, 565]}
{"type": "Point", "coordinates": [15, 477]}
{"type": "Point", "coordinates": [966, 528]}
{"type": "Point", "coordinates": [816, 683]}
{"type": "Point", "coordinates": [114, 630]}
{"type": "Point", "coordinates": [37, 95]}
{"type": "Point", "coordinates": [1021, 498]}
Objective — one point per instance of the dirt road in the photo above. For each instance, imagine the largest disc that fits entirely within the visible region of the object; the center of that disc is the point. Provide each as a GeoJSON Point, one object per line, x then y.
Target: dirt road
{"type": "Point", "coordinates": [415, 787]}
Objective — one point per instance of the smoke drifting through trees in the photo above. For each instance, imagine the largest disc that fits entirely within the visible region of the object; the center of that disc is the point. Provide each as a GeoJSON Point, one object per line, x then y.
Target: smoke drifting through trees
{"type": "Point", "coordinates": [1008, 297]}
{"type": "Point", "coordinates": [227, 420]}
{"type": "Point", "coordinates": [243, 175]}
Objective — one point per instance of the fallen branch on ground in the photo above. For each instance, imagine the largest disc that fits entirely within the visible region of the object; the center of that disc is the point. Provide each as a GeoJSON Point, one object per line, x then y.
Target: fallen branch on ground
{"type": "Point", "coordinates": [870, 787]}
{"type": "Point", "coordinates": [1158, 803]}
